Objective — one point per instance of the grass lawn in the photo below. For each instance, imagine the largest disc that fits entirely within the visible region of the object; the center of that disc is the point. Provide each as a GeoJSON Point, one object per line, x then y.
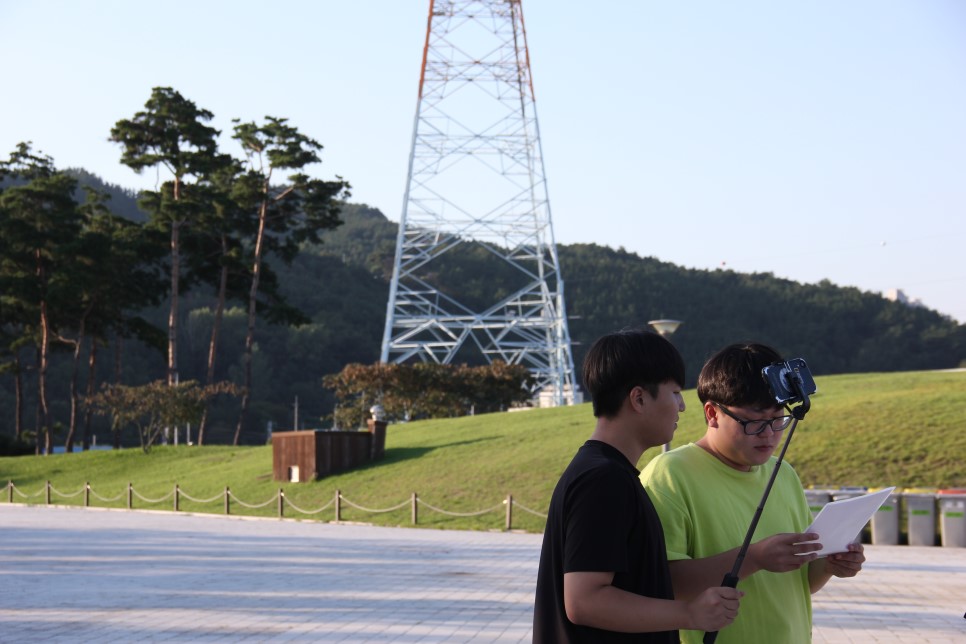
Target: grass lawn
{"type": "Point", "coordinates": [904, 429]}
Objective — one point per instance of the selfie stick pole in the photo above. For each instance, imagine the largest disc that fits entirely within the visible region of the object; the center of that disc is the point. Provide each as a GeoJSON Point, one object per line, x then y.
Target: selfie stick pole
{"type": "Point", "coordinates": [731, 578]}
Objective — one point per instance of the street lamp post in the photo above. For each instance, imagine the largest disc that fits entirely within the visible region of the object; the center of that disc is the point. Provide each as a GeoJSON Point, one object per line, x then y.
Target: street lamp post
{"type": "Point", "coordinates": [665, 328]}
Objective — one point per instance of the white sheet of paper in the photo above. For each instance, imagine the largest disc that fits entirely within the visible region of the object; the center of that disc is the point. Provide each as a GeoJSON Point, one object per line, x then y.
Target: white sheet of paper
{"type": "Point", "coordinates": [839, 522]}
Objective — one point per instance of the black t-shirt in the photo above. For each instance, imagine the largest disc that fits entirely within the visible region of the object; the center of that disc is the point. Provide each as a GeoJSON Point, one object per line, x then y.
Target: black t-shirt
{"type": "Point", "coordinates": [600, 520]}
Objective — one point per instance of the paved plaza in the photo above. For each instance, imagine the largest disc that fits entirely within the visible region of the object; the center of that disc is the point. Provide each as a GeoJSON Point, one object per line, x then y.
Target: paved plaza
{"type": "Point", "coordinates": [75, 575]}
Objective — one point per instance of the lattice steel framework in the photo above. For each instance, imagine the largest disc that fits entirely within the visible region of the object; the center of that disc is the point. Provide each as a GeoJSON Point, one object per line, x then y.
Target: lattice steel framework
{"type": "Point", "coordinates": [476, 178]}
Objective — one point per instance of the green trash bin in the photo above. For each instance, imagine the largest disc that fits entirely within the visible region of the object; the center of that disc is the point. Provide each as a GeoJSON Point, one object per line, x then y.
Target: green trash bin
{"type": "Point", "coordinates": [817, 499]}
{"type": "Point", "coordinates": [849, 492]}
{"type": "Point", "coordinates": [952, 517]}
{"type": "Point", "coordinates": [921, 517]}
{"type": "Point", "coordinates": [885, 522]}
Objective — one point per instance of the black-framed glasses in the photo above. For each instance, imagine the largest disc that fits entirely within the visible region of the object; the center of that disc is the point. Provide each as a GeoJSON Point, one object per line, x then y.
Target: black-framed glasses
{"type": "Point", "coordinates": [755, 427]}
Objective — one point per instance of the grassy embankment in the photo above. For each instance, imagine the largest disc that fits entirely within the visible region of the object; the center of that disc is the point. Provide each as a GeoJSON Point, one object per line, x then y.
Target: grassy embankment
{"type": "Point", "coordinates": [904, 429]}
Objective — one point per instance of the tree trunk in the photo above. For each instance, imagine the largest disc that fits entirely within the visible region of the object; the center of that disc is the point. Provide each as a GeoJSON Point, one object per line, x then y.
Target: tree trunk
{"type": "Point", "coordinates": [252, 299]}
{"type": "Point", "coordinates": [72, 424]}
{"type": "Point", "coordinates": [38, 416]}
{"type": "Point", "coordinates": [91, 390]}
{"type": "Point", "coordinates": [42, 408]}
{"type": "Point", "coordinates": [18, 395]}
{"type": "Point", "coordinates": [74, 371]}
{"type": "Point", "coordinates": [173, 313]}
{"type": "Point", "coordinates": [116, 430]}
{"type": "Point", "coordinates": [213, 343]}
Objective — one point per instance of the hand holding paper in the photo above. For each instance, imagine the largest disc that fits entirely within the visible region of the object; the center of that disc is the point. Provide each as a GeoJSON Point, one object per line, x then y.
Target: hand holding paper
{"type": "Point", "coordinates": [839, 522]}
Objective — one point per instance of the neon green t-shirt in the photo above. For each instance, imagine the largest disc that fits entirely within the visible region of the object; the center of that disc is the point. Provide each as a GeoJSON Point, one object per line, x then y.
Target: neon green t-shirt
{"type": "Point", "coordinates": [706, 508]}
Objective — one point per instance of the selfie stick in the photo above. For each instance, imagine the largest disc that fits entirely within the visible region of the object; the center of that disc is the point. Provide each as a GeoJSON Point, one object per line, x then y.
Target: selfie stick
{"type": "Point", "coordinates": [731, 578]}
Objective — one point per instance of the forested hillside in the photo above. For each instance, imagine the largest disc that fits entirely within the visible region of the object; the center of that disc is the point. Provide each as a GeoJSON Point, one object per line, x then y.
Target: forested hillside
{"type": "Point", "coordinates": [341, 286]}
{"type": "Point", "coordinates": [838, 330]}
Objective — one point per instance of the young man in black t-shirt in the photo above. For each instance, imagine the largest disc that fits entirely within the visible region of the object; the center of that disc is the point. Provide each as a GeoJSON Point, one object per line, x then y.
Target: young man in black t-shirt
{"type": "Point", "coordinates": [603, 573]}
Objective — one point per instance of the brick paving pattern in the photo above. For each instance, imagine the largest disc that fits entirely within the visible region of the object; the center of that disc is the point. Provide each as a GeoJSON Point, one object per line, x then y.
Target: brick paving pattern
{"type": "Point", "coordinates": [75, 575]}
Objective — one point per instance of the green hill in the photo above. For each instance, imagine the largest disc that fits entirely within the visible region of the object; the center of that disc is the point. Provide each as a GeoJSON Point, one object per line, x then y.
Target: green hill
{"type": "Point", "coordinates": [342, 287]}
{"type": "Point", "coordinates": [904, 429]}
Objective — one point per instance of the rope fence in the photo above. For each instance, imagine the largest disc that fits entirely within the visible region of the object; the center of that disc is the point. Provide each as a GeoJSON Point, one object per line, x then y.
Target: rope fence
{"type": "Point", "coordinates": [281, 502]}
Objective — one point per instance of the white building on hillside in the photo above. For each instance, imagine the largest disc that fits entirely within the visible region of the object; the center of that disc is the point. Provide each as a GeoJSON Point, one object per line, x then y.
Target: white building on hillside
{"type": "Point", "coordinates": [897, 295]}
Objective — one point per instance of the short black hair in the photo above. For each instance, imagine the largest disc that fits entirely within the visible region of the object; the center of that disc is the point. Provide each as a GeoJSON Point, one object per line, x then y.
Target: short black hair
{"type": "Point", "coordinates": [620, 361]}
{"type": "Point", "coordinates": [732, 376]}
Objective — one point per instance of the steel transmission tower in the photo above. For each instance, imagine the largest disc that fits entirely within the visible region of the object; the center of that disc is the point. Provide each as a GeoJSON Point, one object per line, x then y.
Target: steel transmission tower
{"type": "Point", "coordinates": [476, 183]}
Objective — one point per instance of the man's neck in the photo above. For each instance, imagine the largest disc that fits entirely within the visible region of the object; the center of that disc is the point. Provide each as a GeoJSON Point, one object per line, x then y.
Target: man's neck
{"type": "Point", "coordinates": [618, 437]}
{"type": "Point", "coordinates": [705, 444]}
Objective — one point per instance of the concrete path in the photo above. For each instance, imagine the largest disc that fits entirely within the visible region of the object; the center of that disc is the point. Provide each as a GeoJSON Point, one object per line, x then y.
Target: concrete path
{"type": "Point", "coordinates": [75, 575]}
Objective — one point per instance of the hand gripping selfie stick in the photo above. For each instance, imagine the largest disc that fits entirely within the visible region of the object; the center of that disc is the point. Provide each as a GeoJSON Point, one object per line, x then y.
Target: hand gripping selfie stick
{"type": "Point", "coordinates": [789, 382]}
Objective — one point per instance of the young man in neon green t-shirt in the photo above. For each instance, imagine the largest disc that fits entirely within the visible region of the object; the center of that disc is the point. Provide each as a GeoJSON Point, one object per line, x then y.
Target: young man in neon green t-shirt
{"type": "Point", "coordinates": [706, 494]}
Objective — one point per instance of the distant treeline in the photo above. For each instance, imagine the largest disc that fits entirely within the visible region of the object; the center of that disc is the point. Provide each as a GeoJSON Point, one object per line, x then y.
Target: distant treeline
{"type": "Point", "coordinates": [341, 286]}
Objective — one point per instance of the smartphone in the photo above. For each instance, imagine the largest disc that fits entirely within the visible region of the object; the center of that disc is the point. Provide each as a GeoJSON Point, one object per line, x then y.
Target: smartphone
{"type": "Point", "coordinates": [782, 378]}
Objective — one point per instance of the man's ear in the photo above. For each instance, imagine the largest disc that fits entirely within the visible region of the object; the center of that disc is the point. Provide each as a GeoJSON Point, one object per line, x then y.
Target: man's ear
{"type": "Point", "coordinates": [637, 397]}
{"type": "Point", "coordinates": [710, 414]}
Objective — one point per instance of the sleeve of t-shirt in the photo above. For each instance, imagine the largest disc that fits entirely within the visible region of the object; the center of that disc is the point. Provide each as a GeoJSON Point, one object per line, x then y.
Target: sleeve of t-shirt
{"type": "Point", "coordinates": [675, 518]}
{"type": "Point", "coordinates": [600, 512]}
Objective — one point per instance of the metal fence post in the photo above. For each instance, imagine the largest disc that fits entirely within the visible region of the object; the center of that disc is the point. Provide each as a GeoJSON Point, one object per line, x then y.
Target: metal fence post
{"type": "Point", "coordinates": [281, 503]}
{"type": "Point", "coordinates": [130, 494]}
{"type": "Point", "coordinates": [415, 511]}
{"type": "Point", "coordinates": [177, 501]}
{"type": "Point", "coordinates": [9, 491]}
{"type": "Point", "coordinates": [338, 505]}
{"type": "Point", "coordinates": [87, 494]}
{"type": "Point", "coordinates": [47, 492]}
{"type": "Point", "coordinates": [227, 500]}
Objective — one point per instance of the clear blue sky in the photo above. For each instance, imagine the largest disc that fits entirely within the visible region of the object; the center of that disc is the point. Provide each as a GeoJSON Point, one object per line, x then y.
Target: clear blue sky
{"type": "Point", "coordinates": [814, 140]}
